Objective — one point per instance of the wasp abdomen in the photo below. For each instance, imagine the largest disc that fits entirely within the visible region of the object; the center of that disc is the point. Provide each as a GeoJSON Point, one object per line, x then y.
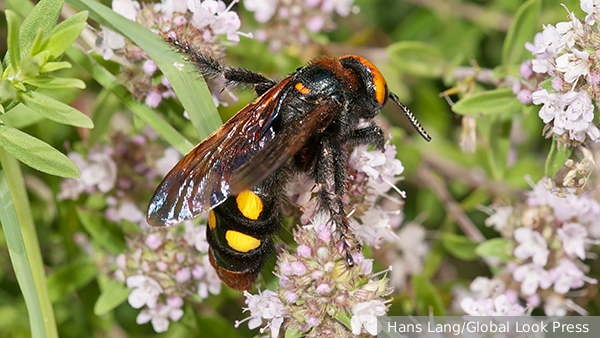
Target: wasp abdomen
{"type": "Point", "coordinates": [240, 235]}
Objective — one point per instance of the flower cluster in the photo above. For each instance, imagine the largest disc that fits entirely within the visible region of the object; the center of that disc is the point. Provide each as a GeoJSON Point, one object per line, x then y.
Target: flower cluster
{"type": "Point", "coordinates": [164, 267]}
{"type": "Point", "coordinates": [125, 171]}
{"type": "Point", "coordinates": [317, 289]}
{"type": "Point", "coordinates": [206, 26]}
{"type": "Point", "coordinates": [565, 54]}
{"type": "Point", "coordinates": [291, 22]}
{"type": "Point", "coordinates": [549, 236]}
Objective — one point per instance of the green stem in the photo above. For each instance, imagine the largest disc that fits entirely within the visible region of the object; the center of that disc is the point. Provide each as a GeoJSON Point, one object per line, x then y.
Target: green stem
{"type": "Point", "coordinates": [16, 186]}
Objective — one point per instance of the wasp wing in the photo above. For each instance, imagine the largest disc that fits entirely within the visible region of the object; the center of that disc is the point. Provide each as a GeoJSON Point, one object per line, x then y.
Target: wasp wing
{"type": "Point", "coordinates": [284, 145]}
{"type": "Point", "coordinates": [200, 181]}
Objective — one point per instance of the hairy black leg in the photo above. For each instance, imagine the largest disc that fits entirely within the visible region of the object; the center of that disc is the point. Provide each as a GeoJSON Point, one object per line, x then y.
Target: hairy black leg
{"type": "Point", "coordinates": [211, 67]}
{"type": "Point", "coordinates": [330, 175]}
{"type": "Point", "coordinates": [371, 135]}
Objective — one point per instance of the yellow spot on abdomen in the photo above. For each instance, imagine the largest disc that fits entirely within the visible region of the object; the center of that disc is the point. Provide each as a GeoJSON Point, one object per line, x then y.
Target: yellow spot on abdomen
{"type": "Point", "coordinates": [300, 87]}
{"type": "Point", "coordinates": [249, 204]}
{"type": "Point", "coordinates": [241, 242]}
{"type": "Point", "coordinates": [212, 220]}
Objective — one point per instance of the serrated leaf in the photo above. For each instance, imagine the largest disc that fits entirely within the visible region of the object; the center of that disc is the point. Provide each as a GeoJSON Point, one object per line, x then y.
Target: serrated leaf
{"type": "Point", "coordinates": [488, 102]}
{"type": "Point", "coordinates": [460, 246]}
{"type": "Point", "coordinates": [55, 110]}
{"type": "Point", "coordinates": [522, 29]}
{"type": "Point", "coordinates": [71, 278]}
{"type": "Point", "coordinates": [496, 247]}
{"type": "Point", "coordinates": [64, 36]}
{"type": "Point", "coordinates": [427, 296]}
{"type": "Point", "coordinates": [113, 295]}
{"type": "Point", "coordinates": [103, 232]}
{"type": "Point", "coordinates": [36, 153]}
{"type": "Point", "coordinates": [418, 58]}
{"type": "Point", "coordinates": [55, 82]}
{"type": "Point", "coordinates": [12, 40]}
{"type": "Point", "coordinates": [557, 156]}
{"type": "Point", "coordinates": [54, 66]}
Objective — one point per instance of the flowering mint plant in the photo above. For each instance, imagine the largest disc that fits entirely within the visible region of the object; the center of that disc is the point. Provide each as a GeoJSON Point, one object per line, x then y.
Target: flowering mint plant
{"type": "Point", "coordinates": [207, 26]}
{"type": "Point", "coordinates": [543, 249]}
{"type": "Point", "coordinates": [568, 97]}
{"type": "Point", "coordinates": [293, 22]}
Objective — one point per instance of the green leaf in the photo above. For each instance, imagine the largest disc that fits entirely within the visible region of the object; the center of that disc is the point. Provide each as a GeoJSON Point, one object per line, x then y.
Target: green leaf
{"type": "Point", "coordinates": [19, 260]}
{"type": "Point", "coordinates": [488, 102]}
{"type": "Point", "coordinates": [43, 17]}
{"type": "Point", "coordinates": [12, 40]}
{"type": "Point", "coordinates": [496, 247]}
{"type": "Point", "coordinates": [182, 74]}
{"type": "Point", "coordinates": [55, 82]}
{"type": "Point", "coordinates": [460, 246]}
{"type": "Point", "coordinates": [36, 45]}
{"type": "Point", "coordinates": [7, 90]}
{"type": "Point", "coordinates": [63, 35]}
{"type": "Point", "coordinates": [53, 66]}
{"type": "Point", "coordinates": [558, 155]}
{"type": "Point", "coordinates": [55, 110]}
{"type": "Point", "coordinates": [109, 82]}
{"type": "Point", "coordinates": [105, 106]}
{"type": "Point", "coordinates": [418, 58]}
{"type": "Point", "coordinates": [343, 317]}
{"type": "Point", "coordinates": [113, 295]}
{"type": "Point", "coordinates": [104, 233]}
{"type": "Point", "coordinates": [294, 333]}
{"type": "Point", "coordinates": [522, 29]}
{"type": "Point", "coordinates": [71, 278]}
{"type": "Point", "coordinates": [36, 153]}
{"type": "Point", "coordinates": [20, 117]}
{"type": "Point", "coordinates": [427, 296]}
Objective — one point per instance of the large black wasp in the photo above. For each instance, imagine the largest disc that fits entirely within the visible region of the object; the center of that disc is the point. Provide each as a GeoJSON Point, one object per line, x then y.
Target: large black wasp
{"type": "Point", "coordinates": [303, 123]}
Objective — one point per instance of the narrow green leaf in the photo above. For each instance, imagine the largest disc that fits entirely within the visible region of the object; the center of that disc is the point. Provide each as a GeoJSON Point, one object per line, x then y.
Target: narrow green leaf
{"type": "Point", "coordinates": [496, 247]}
{"type": "Point", "coordinates": [64, 37]}
{"type": "Point", "coordinates": [108, 81]}
{"type": "Point", "coordinates": [43, 16]}
{"type": "Point", "coordinates": [460, 246]}
{"type": "Point", "coordinates": [418, 58]}
{"type": "Point", "coordinates": [522, 29]}
{"type": "Point", "coordinates": [36, 153]}
{"type": "Point", "coordinates": [55, 82]}
{"type": "Point", "coordinates": [54, 66]}
{"type": "Point", "coordinates": [23, 8]}
{"type": "Point", "coordinates": [18, 192]}
{"type": "Point", "coordinates": [427, 297]}
{"type": "Point", "coordinates": [36, 45]}
{"type": "Point", "coordinates": [104, 233]}
{"type": "Point", "coordinates": [19, 260]}
{"type": "Point", "coordinates": [12, 40]}
{"type": "Point", "coordinates": [71, 278]}
{"type": "Point", "coordinates": [20, 117]}
{"type": "Point", "coordinates": [558, 155]}
{"type": "Point", "coordinates": [182, 74]}
{"type": "Point", "coordinates": [55, 110]}
{"type": "Point", "coordinates": [113, 295]}
{"type": "Point", "coordinates": [344, 319]}
{"type": "Point", "coordinates": [488, 102]}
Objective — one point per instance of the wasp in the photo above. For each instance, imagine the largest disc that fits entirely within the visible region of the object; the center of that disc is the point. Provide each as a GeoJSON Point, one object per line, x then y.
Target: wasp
{"type": "Point", "coordinates": [303, 123]}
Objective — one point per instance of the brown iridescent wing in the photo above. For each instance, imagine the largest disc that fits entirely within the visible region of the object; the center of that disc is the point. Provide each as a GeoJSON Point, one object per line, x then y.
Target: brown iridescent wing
{"type": "Point", "coordinates": [200, 181]}
{"type": "Point", "coordinates": [284, 145]}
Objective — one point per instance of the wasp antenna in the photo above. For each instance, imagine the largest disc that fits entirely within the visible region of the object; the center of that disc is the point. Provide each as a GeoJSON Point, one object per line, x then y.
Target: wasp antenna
{"type": "Point", "coordinates": [411, 117]}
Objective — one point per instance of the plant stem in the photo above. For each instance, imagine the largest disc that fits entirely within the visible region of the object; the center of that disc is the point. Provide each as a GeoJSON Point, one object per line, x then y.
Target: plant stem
{"type": "Point", "coordinates": [16, 186]}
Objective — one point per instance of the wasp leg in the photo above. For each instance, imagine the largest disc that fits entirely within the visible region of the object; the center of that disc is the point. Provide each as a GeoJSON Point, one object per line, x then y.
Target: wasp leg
{"type": "Point", "coordinates": [211, 68]}
{"type": "Point", "coordinates": [330, 175]}
{"type": "Point", "coordinates": [371, 135]}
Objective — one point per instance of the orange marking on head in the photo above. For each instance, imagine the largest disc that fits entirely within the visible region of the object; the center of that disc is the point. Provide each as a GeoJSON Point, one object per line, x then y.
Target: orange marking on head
{"type": "Point", "coordinates": [300, 87]}
{"type": "Point", "coordinates": [378, 80]}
